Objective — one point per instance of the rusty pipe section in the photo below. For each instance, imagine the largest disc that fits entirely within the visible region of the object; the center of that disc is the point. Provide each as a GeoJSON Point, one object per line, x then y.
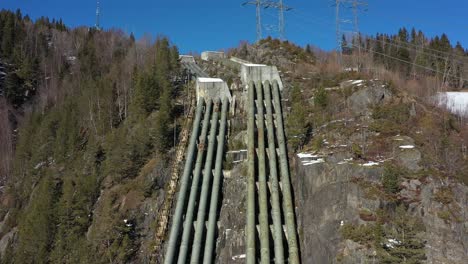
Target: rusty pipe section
{"type": "Point", "coordinates": [250, 230]}
{"type": "Point", "coordinates": [210, 235]}
{"type": "Point", "coordinates": [185, 180]}
{"type": "Point", "coordinates": [275, 189]}
{"type": "Point", "coordinates": [288, 207]}
{"type": "Point", "coordinates": [183, 250]}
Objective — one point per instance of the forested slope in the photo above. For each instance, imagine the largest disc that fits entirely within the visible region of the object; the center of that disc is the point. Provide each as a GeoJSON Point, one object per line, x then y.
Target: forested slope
{"type": "Point", "coordinates": [82, 112]}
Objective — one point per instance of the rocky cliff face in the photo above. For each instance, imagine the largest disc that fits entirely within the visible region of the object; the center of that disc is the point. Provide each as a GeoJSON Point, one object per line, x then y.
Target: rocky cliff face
{"type": "Point", "coordinates": [326, 200]}
{"type": "Point", "coordinates": [364, 198]}
{"type": "Point", "coordinates": [329, 197]}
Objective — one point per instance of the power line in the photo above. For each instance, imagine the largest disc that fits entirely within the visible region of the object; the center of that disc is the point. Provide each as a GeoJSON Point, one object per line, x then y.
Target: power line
{"type": "Point", "coordinates": [411, 63]}
{"type": "Point", "coordinates": [372, 51]}
{"type": "Point", "coordinates": [420, 49]}
{"type": "Point", "coordinates": [300, 27]}
{"type": "Point", "coordinates": [430, 49]}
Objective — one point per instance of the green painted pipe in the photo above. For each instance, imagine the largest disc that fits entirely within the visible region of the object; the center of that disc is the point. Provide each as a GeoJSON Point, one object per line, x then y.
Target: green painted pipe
{"type": "Point", "coordinates": [194, 189]}
{"type": "Point", "coordinates": [262, 180]}
{"type": "Point", "coordinates": [285, 179]}
{"type": "Point", "coordinates": [184, 182]}
{"type": "Point", "coordinates": [275, 190]}
{"type": "Point", "coordinates": [202, 201]}
{"type": "Point", "coordinates": [250, 229]}
{"type": "Point", "coordinates": [213, 213]}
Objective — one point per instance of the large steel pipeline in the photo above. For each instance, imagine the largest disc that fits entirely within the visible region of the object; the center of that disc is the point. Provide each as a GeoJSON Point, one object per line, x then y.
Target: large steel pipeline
{"type": "Point", "coordinates": [212, 217]}
{"type": "Point", "coordinates": [175, 228]}
{"type": "Point", "coordinates": [288, 208]}
{"type": "Point", "coordinates": [250, 228]}
{"type": "Point", "coordinates": [262, 180]}
{"type": "Point", "coordinates": [194, 189]}
{"type": "Point", "coordinates": [275, 190]}
{"type": "Point", "coordinates": [207, 173]}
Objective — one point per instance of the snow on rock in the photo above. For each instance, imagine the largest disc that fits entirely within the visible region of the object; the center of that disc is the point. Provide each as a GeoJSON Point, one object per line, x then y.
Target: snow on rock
{"type": "Point", "coordinates": [241, 256]}
{"type": "Point", "coordinates": [391, 243]}
{"type": "Point", "coordinates": [313, 162]}
{"type": "Point", "coordinates": [208, 80]}
{"type": "Point", "coordinates": [407, 147]}
{"type": "Point", "coordinates": [370, 164]}
{"type": "Point", "coordinates": [456, 102]}
{"type": "Point", "coordinates": [254, 65]}
{"type": "Point", "coordinates": [307, 155]}
{"type": "Point", "coordinates": [357, 81]}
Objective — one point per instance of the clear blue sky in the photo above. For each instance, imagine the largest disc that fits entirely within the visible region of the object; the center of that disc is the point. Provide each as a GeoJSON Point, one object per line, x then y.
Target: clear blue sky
{"type": "Point", "coordinates": [197, 25]}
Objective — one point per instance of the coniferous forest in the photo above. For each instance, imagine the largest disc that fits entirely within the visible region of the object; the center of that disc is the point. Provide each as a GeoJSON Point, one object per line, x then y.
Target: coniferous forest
{"type": "Point", "coordinates": [81, 110]}
{"type": "Point", "coordinates": [413, 54]}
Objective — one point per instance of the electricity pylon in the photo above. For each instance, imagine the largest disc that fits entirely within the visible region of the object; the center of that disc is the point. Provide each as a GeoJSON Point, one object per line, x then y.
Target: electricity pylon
{"type": "Point", "coordinates": [270, 4]}
{"type": "Point", "coordinates": [98, 13]}
{"type": "Point", "coordinates": [258, 4]}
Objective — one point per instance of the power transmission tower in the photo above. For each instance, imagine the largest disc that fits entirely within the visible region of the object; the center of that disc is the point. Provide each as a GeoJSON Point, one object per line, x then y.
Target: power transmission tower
{"type": "Point", "coordinates": [269, 4]}
{"type": "Point", "coordinates": [281, 8]}
{"type": "Point", "coordinates": [258, 4]}
{"type": "Point", "coordinates": [98, 13]}
{"type": "Point", "coordinates": [338, 32]}
{"type": "Point", "coordinates": [356, 5]}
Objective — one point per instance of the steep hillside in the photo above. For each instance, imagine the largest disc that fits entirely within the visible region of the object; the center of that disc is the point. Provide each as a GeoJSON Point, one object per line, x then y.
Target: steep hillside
{"type": "Point", "coordinates": [90, 134]}
{"type": "Point", "coordinates": [380, 171]}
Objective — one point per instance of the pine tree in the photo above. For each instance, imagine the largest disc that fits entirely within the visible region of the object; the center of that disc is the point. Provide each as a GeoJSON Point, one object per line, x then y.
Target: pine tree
{"type": "Point", "coordinates": [414, 36]}
{"type": "Point", "coordinates": [8, 36]}
{"type": "Point", "coordinates": [344, 46]}
{"type": "Point", "coordinates": [37, 228]}
{"type": "Point", "coordinates": [379, 50]}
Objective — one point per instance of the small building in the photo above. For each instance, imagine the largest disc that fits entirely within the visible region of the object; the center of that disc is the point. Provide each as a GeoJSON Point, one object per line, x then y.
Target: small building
{"type": "Point", "coordinates": [213, 55]}
{"type": "Point", "coordinates": [186, 59]}
{"type": "Point", "coordinates": [260, 72]}
{"type": "Point", "coordinates": [212, 88]}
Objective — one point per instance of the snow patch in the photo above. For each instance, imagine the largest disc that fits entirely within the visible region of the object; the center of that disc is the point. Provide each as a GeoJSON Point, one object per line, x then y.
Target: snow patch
{"type": "Point", "coordinates": [241, 256]}
{"type": "Point", "coordinates": [313, 162]}
{"type": "Point", "coordinates": [307, 155]}
{"type": "Point", "coordinates": [205, 80]}
{"type": "Point", "coordinates": [391, 243]}
{"type": "Point", "coordinates": [456, 102]}
{"type": "Point", "coordinates": [357, 82]}
{"type": "Point", "coordinates": [370, 164]}
{"type": "Point", "coordinates": [254, 65]}
{"type": "Point", "coordinates": [407, 147]}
